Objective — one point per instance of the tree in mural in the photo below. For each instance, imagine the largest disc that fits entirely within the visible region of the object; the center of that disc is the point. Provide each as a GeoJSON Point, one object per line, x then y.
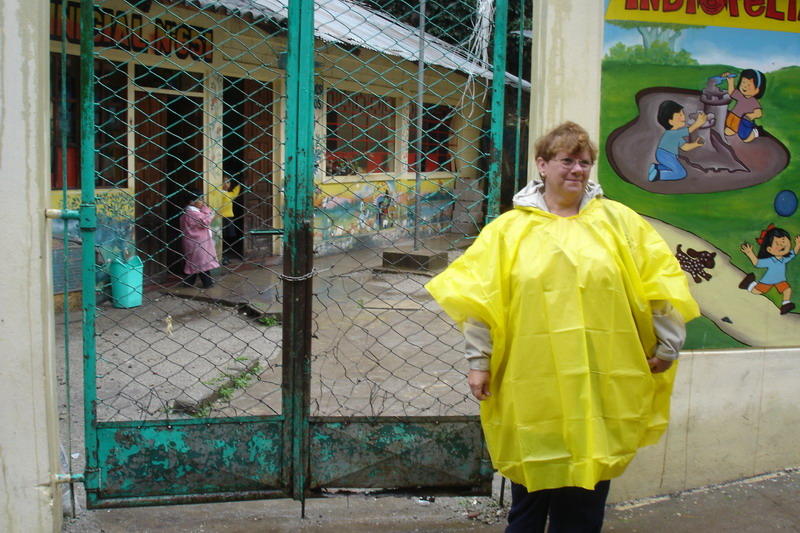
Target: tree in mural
{"type": "Point", "coordinates": [652, 32]}
{"type": "Point", "coordinates": [658, 54]}
{"type": "Point", "coordinates": [659, 44]}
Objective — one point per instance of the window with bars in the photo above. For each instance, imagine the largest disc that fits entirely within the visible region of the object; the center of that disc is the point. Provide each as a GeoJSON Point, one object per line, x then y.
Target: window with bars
{"type": "Point", "coordinates": [360, 135]}
{"type": "Point", "coordinates": [110, 117]}
{"type": "Point", "coordinates": [438, 139]}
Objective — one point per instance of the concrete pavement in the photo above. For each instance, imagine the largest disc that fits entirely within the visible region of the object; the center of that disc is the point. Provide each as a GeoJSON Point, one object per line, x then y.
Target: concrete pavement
{"type": "Point", "coordinates": [757, 505]}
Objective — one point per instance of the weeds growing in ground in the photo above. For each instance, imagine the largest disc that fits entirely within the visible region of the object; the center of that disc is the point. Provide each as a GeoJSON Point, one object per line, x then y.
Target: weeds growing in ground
{"type": "Point", "coordinates": [226, 385]}
{"type": "Point", "coordinates": [268, 321]}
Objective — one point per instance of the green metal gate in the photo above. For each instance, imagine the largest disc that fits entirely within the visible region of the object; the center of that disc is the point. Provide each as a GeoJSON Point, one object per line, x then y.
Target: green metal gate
{"type": "Point", "coordinates": [347, 151]}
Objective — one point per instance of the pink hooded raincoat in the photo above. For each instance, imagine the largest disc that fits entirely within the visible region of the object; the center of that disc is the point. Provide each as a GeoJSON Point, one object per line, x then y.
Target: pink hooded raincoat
{"type": "Point", "coordinates": [199, 251]}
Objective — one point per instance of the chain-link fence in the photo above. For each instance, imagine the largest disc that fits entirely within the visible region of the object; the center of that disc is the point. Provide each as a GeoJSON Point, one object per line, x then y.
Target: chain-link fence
{"type": "Point", "coordinates": [190, 130]}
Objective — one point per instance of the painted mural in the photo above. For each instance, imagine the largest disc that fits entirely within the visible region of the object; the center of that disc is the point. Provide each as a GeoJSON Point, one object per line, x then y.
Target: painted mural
{"type": "Point", "coordinates": [114, 235]}
{"type": "Point", "coordinates": [369, 214]}
{"type": "Point", "coordinates": [699, 121]}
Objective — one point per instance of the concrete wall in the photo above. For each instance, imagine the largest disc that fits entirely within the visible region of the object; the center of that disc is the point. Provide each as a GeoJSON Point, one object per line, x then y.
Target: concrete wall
{"type": "Point", "coordinates": [734, 413]}
{"type": "Point", "coordinates": [29, 502]}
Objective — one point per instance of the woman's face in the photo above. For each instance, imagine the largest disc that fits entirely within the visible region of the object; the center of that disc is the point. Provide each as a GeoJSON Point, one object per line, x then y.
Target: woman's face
{"type": "Point", "coordinates": [565, 175]}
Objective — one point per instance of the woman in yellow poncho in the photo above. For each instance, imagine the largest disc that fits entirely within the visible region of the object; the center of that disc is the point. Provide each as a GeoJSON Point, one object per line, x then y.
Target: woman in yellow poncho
{"type": "Point", "coordinates": [573, 310]}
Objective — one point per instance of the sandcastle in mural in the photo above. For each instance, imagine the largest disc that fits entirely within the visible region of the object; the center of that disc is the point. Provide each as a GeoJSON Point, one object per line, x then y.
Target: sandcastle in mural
{"type": "Point", "coordinates": [717, 159]}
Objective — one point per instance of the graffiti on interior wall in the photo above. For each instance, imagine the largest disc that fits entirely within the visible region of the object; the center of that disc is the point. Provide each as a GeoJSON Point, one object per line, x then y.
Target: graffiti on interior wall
{"type": "Point", "coordinates": [115, 214]}
{"type": "Point", "coordinates": [371, 214]}
{"type": "Point", "coordinates": [698, 134]}
{"type": "Point", "coordinates": [113, 238]}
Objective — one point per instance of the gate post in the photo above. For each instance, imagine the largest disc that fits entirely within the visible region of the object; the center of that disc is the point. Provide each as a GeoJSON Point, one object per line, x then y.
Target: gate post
{"type": "Point", "coordinates": [298, 239]}
{"type": "Point", "coordinates": [88, 224]}
{"type": "Point", "coordinates": [498, 109]}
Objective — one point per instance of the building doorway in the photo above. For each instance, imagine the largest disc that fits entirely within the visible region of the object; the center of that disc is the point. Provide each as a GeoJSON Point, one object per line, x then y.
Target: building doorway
{"type": "Point", "coordinates": [249, 160]}
{"type": "Point", "coordinates": [168, 153]}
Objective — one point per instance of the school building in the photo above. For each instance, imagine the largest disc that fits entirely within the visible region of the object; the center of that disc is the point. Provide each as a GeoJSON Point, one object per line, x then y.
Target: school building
{"type": "Point", "coordinates": [189, 94]}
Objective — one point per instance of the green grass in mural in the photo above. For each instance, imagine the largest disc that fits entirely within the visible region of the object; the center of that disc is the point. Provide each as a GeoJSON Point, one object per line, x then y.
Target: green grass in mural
{"type": "Point", "coordinates": [702, 334]}
{"type": "Point", "coordinates": [725, 219]}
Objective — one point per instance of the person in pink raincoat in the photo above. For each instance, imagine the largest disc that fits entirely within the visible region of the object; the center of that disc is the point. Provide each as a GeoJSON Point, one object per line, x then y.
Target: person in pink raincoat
{"type": "Point", "coordinates": [199, 252]}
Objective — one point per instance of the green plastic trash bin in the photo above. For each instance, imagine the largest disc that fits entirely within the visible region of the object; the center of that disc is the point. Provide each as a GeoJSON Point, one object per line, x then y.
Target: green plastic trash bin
{"type": "Point", "coordinates": [126, 282]}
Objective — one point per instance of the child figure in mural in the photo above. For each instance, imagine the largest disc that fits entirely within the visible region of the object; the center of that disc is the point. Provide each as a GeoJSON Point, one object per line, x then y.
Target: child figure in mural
{"type": "Point", "coordinates": [741, 119]}
{"type": "Point", "coordinates": [774, 252]}
{"type": "Point", "coordinates": [363, 215]}
{"type": "Point", "coordinates": [382, 202]}
{"type": "Point", "coordinates": [673, 119]}
{"type": "Point", "coordinates": [199, 251]}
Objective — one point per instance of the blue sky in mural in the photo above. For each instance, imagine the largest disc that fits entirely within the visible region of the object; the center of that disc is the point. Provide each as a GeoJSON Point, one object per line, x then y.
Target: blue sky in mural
{"type": "Point", "coordinates": [762, 50]}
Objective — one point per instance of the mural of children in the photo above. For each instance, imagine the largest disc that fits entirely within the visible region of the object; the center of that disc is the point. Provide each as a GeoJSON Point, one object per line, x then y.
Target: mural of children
{"type": "Point", "coordinates": [774, 253]}
{"type": "Point", "coordinates": [382, 202]}
{"type": "Point", "coordinates": [673, 119]}
{"type": "Point", "coordinates": [741, 119]}
{"type": "Point", "coordinates": [363, 215]}
{"type": "Point", "coordinates": [199, 252]}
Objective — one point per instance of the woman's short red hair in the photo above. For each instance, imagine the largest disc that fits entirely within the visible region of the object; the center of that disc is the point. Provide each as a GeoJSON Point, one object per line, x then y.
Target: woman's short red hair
{"type": "Point", "coordinates": [569, 138]}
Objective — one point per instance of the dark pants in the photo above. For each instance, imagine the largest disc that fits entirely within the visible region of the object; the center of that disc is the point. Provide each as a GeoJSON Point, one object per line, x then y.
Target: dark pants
{"type": "Point", "coordinates": [205, 279]}
{"type": "Point", "coordinates": [229, 238]}
{"type": "Point", "coordinates": [571, 509]}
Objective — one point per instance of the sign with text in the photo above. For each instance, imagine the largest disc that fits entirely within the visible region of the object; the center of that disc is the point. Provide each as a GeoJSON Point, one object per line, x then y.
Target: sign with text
{"type": "Point", "coordinates": [775, 15]}
{"type": "Point", "coordinates": [131, 30]}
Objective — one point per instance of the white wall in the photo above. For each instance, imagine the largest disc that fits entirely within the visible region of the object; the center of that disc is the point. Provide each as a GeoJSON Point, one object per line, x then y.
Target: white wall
{"type": "Point", "coordinates": [29, 502]}
{"type": "Point", "coordinates": [734, 413]}
{"type": "Point", "coordinates": [565, 74]}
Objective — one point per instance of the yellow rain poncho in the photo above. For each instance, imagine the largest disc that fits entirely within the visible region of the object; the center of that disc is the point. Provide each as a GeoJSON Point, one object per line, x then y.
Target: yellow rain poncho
{"type": "Point", "coordinates": [567, 301]}
{"type": "Point", "coordinates": [221, 200]}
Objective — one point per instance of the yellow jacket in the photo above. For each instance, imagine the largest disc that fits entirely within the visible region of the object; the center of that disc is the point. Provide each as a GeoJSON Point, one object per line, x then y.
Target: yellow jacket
{"type": "Point", "coordinates": [221, 200]}
{"type": "Point", "coordinates": [567, 301]}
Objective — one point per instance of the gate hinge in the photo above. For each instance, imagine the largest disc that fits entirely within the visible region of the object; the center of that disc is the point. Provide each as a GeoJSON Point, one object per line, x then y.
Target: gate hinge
{"type": "Point", "coordinates": [88, 216]}
{"type": "Point", "coordinates": [68, 478]}
{"type": "Point", "coordinates": [63, 214]}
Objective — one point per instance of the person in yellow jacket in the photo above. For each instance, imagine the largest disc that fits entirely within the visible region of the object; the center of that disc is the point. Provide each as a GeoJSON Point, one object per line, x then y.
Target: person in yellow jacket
{"type": "Point", "coordinates": [221, 200]}
{"type": "Point", "coordinates": [573, 310]}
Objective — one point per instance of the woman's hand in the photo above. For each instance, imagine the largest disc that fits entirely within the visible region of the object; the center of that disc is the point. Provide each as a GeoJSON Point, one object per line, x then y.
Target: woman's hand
{"type": "Point", "coordinates": [658, 365]}
{"type": "Point", "coordinates": [478, 381]}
